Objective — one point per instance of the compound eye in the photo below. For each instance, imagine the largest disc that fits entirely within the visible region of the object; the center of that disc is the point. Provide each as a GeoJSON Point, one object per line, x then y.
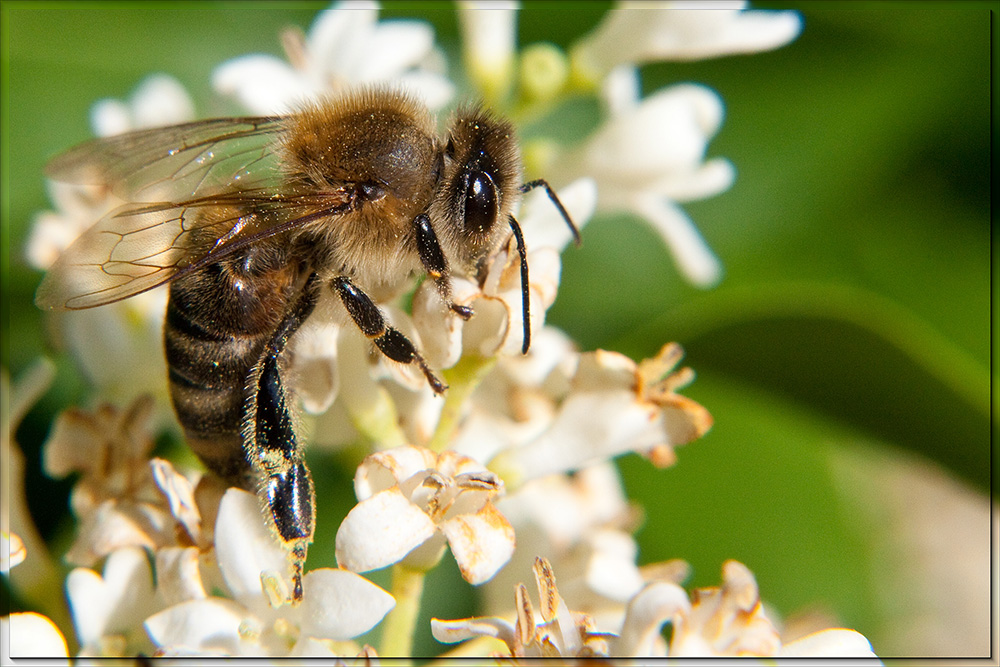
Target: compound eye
{"type": "Point", "coordinates": [480, 203]}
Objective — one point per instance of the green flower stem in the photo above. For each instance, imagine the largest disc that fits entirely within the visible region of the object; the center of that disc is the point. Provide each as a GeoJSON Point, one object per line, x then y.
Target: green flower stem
{"type": "Point", "coordinates": [462, 379]}
{"type": "Point", "coordinates": [397, 633]}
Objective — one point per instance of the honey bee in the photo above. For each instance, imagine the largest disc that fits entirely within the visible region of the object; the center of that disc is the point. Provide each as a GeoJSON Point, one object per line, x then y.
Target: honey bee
{"type": "Point", "coordinates": [250, 219]}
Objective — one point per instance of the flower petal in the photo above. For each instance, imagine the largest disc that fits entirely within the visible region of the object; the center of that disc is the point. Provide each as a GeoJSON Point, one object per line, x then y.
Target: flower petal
{"type": "Point", "coordinates": [450, 632]}
{"type": "Point", "coordinates": [178, 575]}
{"type": "Point", "coordinates": [31, 635]}
{"type": "Point", "coordinates": [261, 83]}
{"type": "Point", "coordinates": [246, 547]}
{"type": "Point", "coordinates": [647, 612]}
{"type": "Point", "coordinates": [180, 495]}
{"type": "Point", "coordinates": [211, 625]}
{"type": "Point", "coordinates": [340, 605]}
{"type": "Point", "coordinates": [394, 47]}
{"type": "Point", "coordinates": [381, 530]}
{"type": "Point", "coordinates": [830, 643]}
{"type": "Point", "coordinates": [383, 470]}
{"type": "Point", "coordinates": [693, 256]}
{"type": "Point", "coordinates": [105, 604]}
{"type": "Point", "coordinates": [482, 543]}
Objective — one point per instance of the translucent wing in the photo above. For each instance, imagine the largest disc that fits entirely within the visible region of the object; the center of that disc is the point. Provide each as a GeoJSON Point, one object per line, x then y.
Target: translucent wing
{"type": "Point", "coordinates": [178, 163]}
{"type": "Point", "coordinates": [140, 246]}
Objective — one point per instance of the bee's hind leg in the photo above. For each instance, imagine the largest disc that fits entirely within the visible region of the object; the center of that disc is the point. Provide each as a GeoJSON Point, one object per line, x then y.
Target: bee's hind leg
{"type": "Point", "coordinates": [284, 484]}
{"type": "Point", "coordinates": [390, 341]}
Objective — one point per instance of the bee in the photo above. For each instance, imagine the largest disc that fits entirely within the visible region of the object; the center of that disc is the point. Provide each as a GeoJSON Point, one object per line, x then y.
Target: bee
{"type": "Point", "coordinates": [250, 219]}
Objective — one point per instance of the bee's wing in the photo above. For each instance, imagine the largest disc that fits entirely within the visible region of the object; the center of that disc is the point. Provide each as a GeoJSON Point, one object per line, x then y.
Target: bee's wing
{"type": "Point", "coordinates": [140, 246]}
{"type": "Point", "coordinates": [177, 163]}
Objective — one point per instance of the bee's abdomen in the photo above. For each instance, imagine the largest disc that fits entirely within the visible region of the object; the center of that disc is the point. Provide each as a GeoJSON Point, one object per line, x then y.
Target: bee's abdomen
{"type": "Point", "coordinates": [216, 327]}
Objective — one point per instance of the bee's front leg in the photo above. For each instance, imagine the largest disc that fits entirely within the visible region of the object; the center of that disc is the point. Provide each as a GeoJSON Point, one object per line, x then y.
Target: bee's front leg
{"type": "Point", "coordinates": [284, 484]}
{"type": "Point", "coordinates": [390, 341]}
{"type": "Point", "coordinates": [435, 264]}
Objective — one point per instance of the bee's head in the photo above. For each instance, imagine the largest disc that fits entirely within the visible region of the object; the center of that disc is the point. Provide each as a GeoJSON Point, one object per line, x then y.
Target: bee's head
{"type": "Point", "coordinates": [478, 185]}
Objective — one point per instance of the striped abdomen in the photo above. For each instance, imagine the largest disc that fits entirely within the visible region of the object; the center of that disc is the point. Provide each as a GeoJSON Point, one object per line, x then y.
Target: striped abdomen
{"type": "Point", "coordinates": [218, 321]}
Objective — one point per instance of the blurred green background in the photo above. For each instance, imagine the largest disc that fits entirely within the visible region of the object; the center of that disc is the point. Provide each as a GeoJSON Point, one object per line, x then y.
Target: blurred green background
{"type": "Point", "coordinates": [845, 356]}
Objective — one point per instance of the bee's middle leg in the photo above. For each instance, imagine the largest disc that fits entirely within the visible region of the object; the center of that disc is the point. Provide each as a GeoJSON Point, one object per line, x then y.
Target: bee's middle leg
{"type": "Point", "coordinates": [390, 341]}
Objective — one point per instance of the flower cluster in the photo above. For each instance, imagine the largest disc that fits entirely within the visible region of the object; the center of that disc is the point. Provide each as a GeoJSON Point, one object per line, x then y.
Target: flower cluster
{"type": "Point", "coordinates": [512, 471]}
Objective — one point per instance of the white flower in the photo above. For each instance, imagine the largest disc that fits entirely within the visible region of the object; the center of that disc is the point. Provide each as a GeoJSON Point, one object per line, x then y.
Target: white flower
{"type": "Point", "coordinates": [614, 406]}
{"type": "Point", "coordinates": [649, 156]}
{"type": "Point", "coordinates": [727, 621]}
{"type": "Point", "coordinates": [31, 635]}
{"type": "Point", "coordinates": [582, 525]}
{"type": "Point", "coordinates": [412, 501]}
{"type": "Point", "coordinates": [723, 621]}
{"type": "Point", "coordinates": [159, 100]}
{"type": "Point", "coordinates": [640, 32]}
{"type": "Point", "coordinates": [336, 604]}
{"type": "Point", "coordinates": [346, 46]}
{"type": "Point", "coordinates": [122, 498]}
{"type": "Point", "coordinates": [108, 608]}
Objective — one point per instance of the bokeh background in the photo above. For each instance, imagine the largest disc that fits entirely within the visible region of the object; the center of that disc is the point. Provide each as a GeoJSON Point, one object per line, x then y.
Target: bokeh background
{"type": "Point", "coordinates": [846, 355]}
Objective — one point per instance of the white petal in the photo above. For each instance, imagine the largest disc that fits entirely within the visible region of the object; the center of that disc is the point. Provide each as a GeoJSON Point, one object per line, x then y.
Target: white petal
{"type": "Point", "coordinates": [314, 363]}
{"type": "Point", "coordinates": [380, 531]}
{"type": "Point", "coordinates": [110, 117]}
{"type": "Point", "coordinates": [106, 529]}
{"type": "Point", "coordinates": [340, 605]}
{"type": "Point", "coordinates": [112, 603]}
{"type": "Point", "coordinates": [209, 625]}
{"type": "Point", "coordinates": [246, 547]}
{"type": "Point", "coordinates": [482, 543]}
{"type": "Point", "coordinates": [12, 551]}
{"type": "Point", "coordinates": [433, 89]}
{"type": "Point", "coordinates": [161, 100]}
{"type": "Point", "coordinates": [178, 575]}
{"type": "Point", "coordinates": [646, 614]}
{"type": "Point", "coordinates": [450, 632]}
{"type": "Point", "coordinates": [368, 404]}
{"type": "Point", "coordinates": [831, 643]}
{"type": "Point", "coordinates": [337, 37]}
{"type": "Point", "coordinates": [642, 32]}
{"type": "Point", "coordinates": [263, 84]}
{"type": "Point", "coordinates": [668, 132]}
{"type": "Point", "coordinates": [705, 180]}
{"type": "Point", "coordinates": [383, 470]}
{"type": "Point", "coordinates": [440, 330]}
{"type": "Point", "coordinates": [494, 325]}
{"type": "Point", "coordinates": [693, 256]}
{"type": "Point", "coordinates": [394, 47]}
{"type": "Point", "coordinates": [621, 90]}
{"type": "Point", "coordinates": [180, 496]}
{"type": "Point", "coordinates": [611, 569]}
{"type": "Point", "coordinates": [589, 428]}
{"type": "Point", "coordinates": [31, 635]}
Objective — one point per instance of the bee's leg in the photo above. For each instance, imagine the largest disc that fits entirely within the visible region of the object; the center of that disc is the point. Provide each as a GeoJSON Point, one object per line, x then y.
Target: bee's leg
{"type": "Point", "coordinates": [435, 264]}
{"type": "Point", "coordinates": [272, 447]}
{"type": "Point", "coordinates": [541, 182]}
{"type": "Point", "coordinates": [393, 344]}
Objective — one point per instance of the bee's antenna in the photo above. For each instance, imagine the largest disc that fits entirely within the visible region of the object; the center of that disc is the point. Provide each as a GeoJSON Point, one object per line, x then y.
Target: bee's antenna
{"type": "Point", "coordinates": [525, 297]}
{"type": "Point", "coordinates": [541, 182]}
